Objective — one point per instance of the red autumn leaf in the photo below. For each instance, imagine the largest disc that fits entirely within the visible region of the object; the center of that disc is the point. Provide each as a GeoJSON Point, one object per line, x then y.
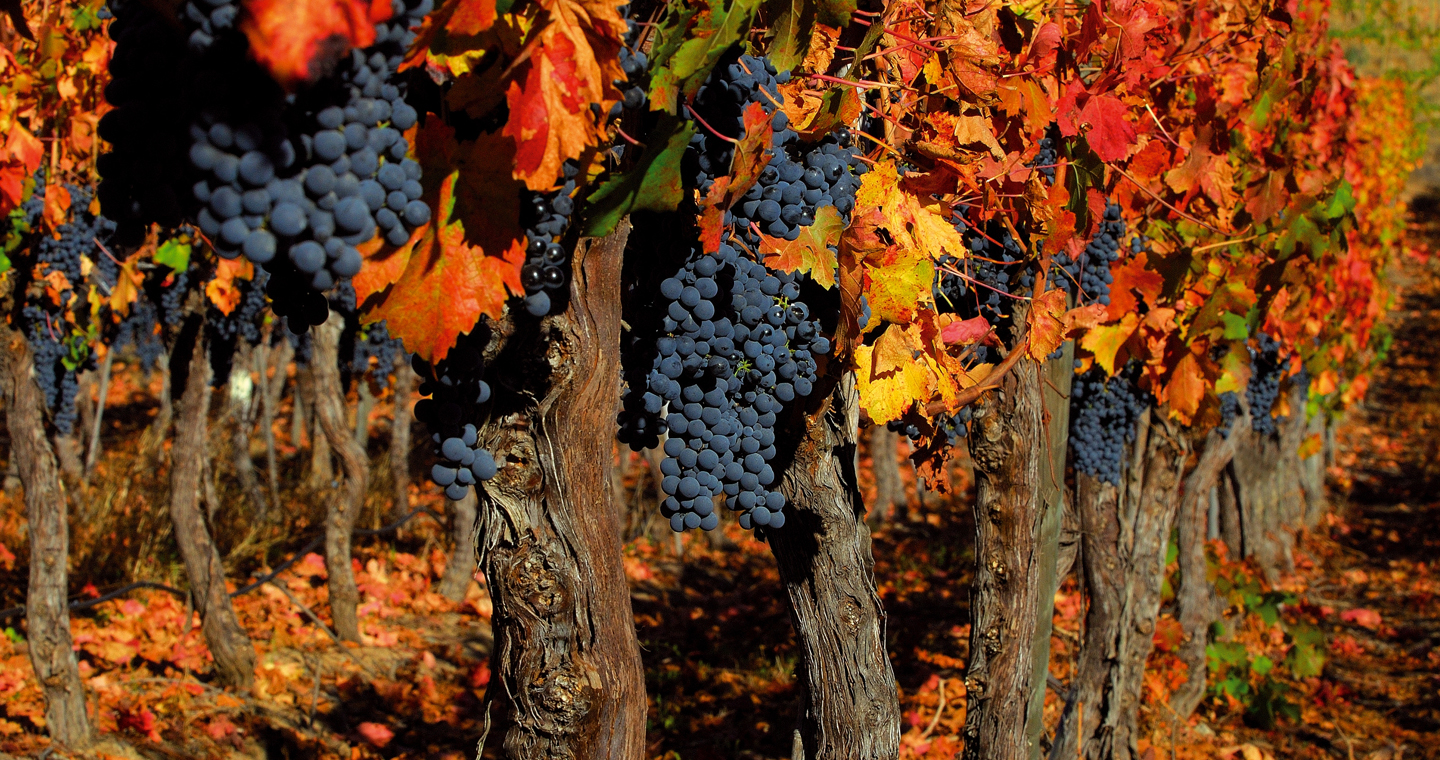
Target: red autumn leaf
{"type": "Point", "coordinates": [57, 206]}
{"type": "Point", "coordinates": [1363, 617]}
{"type": "Point", "coordinates": [1110, 135]}
{"type": "Point", "coordinates": [375, 733]}
{"type": "Point", "coordinates": [298, 41]}
{"type": "Point", "coordinates": [1129, 280]}
{"type": "Point", "coordinates": [19, 158]}
{"type": "Point", "coordinates": [573, 62]}
{"type": "Point", "coordinates": [1186, 388]}
{"type": "Point", "coordinates": [965, 331]}
{"type": "Point", "coordinates": [749, 158]}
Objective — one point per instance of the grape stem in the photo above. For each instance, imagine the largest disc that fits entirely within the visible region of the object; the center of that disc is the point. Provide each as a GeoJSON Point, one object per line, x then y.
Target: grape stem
{"type": "Point", "coordinates": [713, 131]}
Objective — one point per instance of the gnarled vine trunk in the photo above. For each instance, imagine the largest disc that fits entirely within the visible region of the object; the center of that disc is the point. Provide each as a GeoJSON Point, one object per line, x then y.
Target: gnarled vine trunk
{"type": "Point", "coordinates": [400, 434]}
{"type": "Point", "coordinates": [461, 568]}
{"type": "Point", "coordinates": [568, 678]}
{"type": "Point", "coordinates": [1196, 598]}
{"type": "Point", "coordinates": [1007, 439]}
{"type": "Point", "coordinates": [344, 506]}
{"type": "Point", "coordinates": [47, 611]}
{"type": "Point", "coordinates": [234, 654]}
{"type": "Point", "coordinates": [885, 464]}
{"type": "Point", "coordinates": [1126, 534]}
{"type": "Point", "coordinates": [851, 706]}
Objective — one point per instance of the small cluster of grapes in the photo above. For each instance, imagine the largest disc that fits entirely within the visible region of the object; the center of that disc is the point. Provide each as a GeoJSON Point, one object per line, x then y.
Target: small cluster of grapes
{"type": "Point", "coordinates": [456, 390]}
{"type": "Point", "coordinates": [994, 270]}
{"type": "Point", "coordinates": [1267, 368]}
{"type": "Point", "coordinates": [547, 262]}
{"type": "Point", "coordinates": [140, 328]}
{"type": "Point", "coordinates": [719, 106]}
{"type": "Point", "coordinates": [244, 322]}
{"type": "Point", "coordinates": [789, 193]}
{"type": "Point", "coordinates": [1103, 414]}
{"type": "Point", "coordinates": [1048, 156]}
{"type": "Point", "coordinates": [1229, 410]}
{"type": "Point", "coordinates": [373, 341]}
{"type": "Point", "coordinates": [1090, 269]}
{"type": "Point", "coordinates": [952, 426]}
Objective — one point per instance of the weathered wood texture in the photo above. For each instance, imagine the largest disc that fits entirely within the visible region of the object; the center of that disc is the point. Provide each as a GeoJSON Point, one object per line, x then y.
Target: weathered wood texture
{"type": "Point", "coordinates": [460, 570]}
{"type": "Point", "coordinates": [229, 644]}
{"type": "Point", "coordinates": [568, 678]}
{"type": "Point", "coordinates": [1006, 435]}
{"type": "Point", "coordinates": [851, 707]}
{"type": "Point", "coordinates": [885, 465]}
{"type": "Point", "coordinates": [400, 435]}
{"type": "Point", "coordinates": [343, 507]}
{"type": "Point", "coordinates": [47, 612]}
{"type": "Point", "coordinates": [1126, 533]}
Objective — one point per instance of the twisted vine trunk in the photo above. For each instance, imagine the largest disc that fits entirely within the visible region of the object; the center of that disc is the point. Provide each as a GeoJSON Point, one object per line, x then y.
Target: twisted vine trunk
{"type": "Point", "coordinates": [271, 390]}
{"type": "Point", "coordinates": [242, 392]}
{"type": "Point", "coordinates": [461, 567]}
{"type": "Point", "coordinates": [568, 678]}
{"type": "Point", "coordinates": [1007, 436]}
{"type": "Point", "coordinates": [400, 433]}
{"type": "Point", "coordinates": [234, 654]}
{"type": "Point", "coordinates": [1196, 596]}
{"type": "Point", "coordinates": [344, 506]}
{"type": "Point", "coordinates": [885, 465]}
{"type": "Point", "coordinates": [851, 705]}
{"type": "Point", "coordinates": [47, 612]}
{"type": "Point", "coordinates": [1126, 534]}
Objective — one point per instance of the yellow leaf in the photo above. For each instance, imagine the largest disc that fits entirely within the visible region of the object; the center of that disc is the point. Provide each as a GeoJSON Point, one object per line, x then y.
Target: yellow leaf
{"type": "Point", "coordinates": [127, 288]}
{"type": "Point", "coordinates": [1105, 341]}
{"type": "Point", "coordinates": [886, 394]}
{"type": "Point", "coordinates": [1186, 388]}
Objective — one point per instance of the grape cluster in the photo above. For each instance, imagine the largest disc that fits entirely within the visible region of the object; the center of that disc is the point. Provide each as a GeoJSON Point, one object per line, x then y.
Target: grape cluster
{"type": "Point", "coordinates": [140, 328]}
{"type": "Point", "coordinates": [373, 341]}
{"type": "Point", "coordinates": [952, 426]}
{"type": "Point", "coordinates": [1267, 368]}
{"type": "Point", "coordinates": [1229, 410]}
{"type": "Point", "coordinates": [994, 270]}
{"type": "Point", "coordinates": [723, 371]}
{"type": "Point", "coordinates": [1103, 413]}
{"type": "Point", "coordinates": [718, 109]}
{"type": "Point", "coordinates": [1090, 269]}
{"type": "Point", "coordinates": [1048, 156]}
{"type": "Point", "coordinates": [635, 65]}
{"type": "Point", "coordinates": [456, 390]}
{"type": "Point", "coordinates": [57, 365]}
{"type": "Point", "coordinates": [292, 182]}
{"type": "Point", "coordinates": [244, 321]}
{"type": "Point", "coordinates": [547, 263]}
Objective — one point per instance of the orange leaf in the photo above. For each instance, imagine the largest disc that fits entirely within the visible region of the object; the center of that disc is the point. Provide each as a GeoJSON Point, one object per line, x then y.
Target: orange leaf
{"type": "Point", "coordinates": [297, 41]}
{"type": "Point", "coordinates": [1105, 341]}
{"type": "Point", "coordinates": [222, 290]}
{"type": "Point", "coordinates": [1131, 278]}
{"type": "Point", "coordinates": [809, 253]}
{"type": "Point", "coordinates": [1082, 318]}
{"type": "Point", "coordinates": [57, 206]}
{"type": "Point", "coordinates": [466, 260]}
{"type": "Point", "coordinates": [1046, 331]}
{"type": "Point", "coordinates": [573, 62]}
{"type": "Point", "coordinates": [749, 158]}
{"type": "Point", "coordinates": [1186, 388]}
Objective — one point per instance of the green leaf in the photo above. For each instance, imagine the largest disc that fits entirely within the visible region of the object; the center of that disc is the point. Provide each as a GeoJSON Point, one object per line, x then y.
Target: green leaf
{"type": "Point", "coordinates": [1342, 203]}
{"type": "Point", "coordinates": [654, 184]}
{"type": "Point", "coordinates": [1235, 327]}
{"type": "Point", "coordinates": [792, 23]}
{"type": "Point", "coordinates": [685, 55]}
{"type": "Point", "coordinates": [174, 254]}
{"type": "Point", "coordinates": [1261, 665]}
{"type": "Point", "coordinates": [1226, 653]}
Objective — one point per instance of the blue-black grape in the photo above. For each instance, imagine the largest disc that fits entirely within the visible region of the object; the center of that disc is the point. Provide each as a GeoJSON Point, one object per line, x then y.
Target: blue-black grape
{"type": "Point", "coordinates": [1267, 369]}
{"type": "Point", "coordinates": [1103, 415]}
{"type": "Point", "coordinates": [456, 394]}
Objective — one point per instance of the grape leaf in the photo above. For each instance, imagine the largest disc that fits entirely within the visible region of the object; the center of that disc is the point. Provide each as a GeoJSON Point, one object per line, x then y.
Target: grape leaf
{"type": "Point", "coordinates": [221, 289]}
{"type": "Point", "coordinates": [1110, 135]}
{"type": "Point", "coordinates": [1186, 388]}
{"type": "Point", "coordinates": [889, 378]}
{"type": "Point", "coordinates": [127, 286]}
{"type": "Point", "coordinates": [573, 62]}
{"type": "Point", "coordinates": [966, 331]}
{"type": "Point", "coordinates": [791, 23]}
{"type": "Point", "coordinates": [653, 184]}
{"type": "Point", "coordinates": [1105, 341]}
{"type": "Point", "coordinates": [298, 41]}
{"type": "Point", "coordinates": [812, 252]}
{"type": "Point", "coordinates": [1045, 329]}
{"type": "Point", "coordinates": [19, 159]}
{"type": "Point", "coordinates": [174, 254]}
{"type": "Point", "coordinates": [689, 44]}
{"type": "Point", "coordinates": [1133, 277]}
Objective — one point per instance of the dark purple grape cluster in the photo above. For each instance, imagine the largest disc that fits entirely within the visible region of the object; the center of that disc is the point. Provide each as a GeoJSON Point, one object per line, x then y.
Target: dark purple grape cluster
{"type": "Point", "coordinates": [546, 271]}
{"type": "Point", "coordinates": [995, 269]}
{"type": "Point", "coordinates": [718, 110]}
{"type": "Point", "coordinates": [952, 426]}
{"type": "Point", "coordinates": [244, 322]}
{"type": "Point", "coordinates": [293, 182]}
{"type": "Point", "coordinates": [1049, 155]}
{"type": "Point", "coordinates": [456, 392]}
{"type": "Point", "coordinates": [140, 328]}
{"type": "Point", "coordinates": [1087, 276]}
{"type": "Point", "coordinates": [1267, 369]}
{"type": "Point", "coordinates": [720, 373]}
{"type": "Point", "coordinates": [1229, 410]}
{"type": "Point", "coordinates": [1103, 414]}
